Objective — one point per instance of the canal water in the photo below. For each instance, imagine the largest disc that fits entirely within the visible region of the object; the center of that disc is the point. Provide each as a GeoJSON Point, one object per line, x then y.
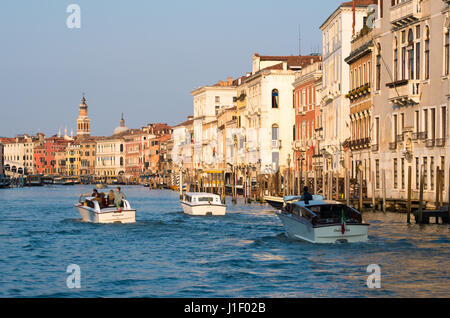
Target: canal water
{"type": "Point", "coordinates": [169, 254]}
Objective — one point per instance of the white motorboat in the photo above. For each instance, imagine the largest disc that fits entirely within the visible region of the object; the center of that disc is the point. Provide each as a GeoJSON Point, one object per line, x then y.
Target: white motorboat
{"type": "Point", "coordinates": [202, 204]}
{"type": "Point", "coordinates": [91, 211]}
{"type": "Point", "coordinates": [320, 221]}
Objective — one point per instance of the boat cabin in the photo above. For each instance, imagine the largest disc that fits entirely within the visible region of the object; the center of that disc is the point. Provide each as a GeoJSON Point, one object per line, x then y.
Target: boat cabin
{"type": "Point", "coordinates": [201, 198]}
{"type": "Point", "coordinates": [324, 212]}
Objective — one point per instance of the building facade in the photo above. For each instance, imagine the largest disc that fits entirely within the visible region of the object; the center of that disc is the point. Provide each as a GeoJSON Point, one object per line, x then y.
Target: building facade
{"type": "Point", "coordinates": [337, 32]}
{"type": "Point", "coordinates": [308, 118]}
{"type": "Point", "coordinates": [411, 96]}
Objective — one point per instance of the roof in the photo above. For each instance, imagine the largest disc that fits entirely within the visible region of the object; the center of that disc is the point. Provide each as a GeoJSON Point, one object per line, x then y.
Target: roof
{"type": "Point", "coordinates": [186, 123]}
{"type": "Point", "coordinates": [291, 60]}
{"type": "Point", "coordinates": [358, 3]}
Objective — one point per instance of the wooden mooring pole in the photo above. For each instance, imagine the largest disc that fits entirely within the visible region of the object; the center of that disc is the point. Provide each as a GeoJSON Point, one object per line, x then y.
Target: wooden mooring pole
{"type": "Point", "coordinates": [408, 206]}
{"type": "Point", "coordinates": [383, 184]}
{"type": "Point", "coordinates": [373, 184]}
{"type": "Point", "coordinates": [360, 191]}
{"type": "Point", "coordinates": [421, 194]}
{"type": "Point", "coordinates": [347, 186]}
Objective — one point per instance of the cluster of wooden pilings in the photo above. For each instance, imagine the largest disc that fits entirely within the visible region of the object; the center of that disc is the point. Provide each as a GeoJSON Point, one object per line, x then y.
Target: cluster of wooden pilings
{"type": "Point", "coordinates": [332, 185]}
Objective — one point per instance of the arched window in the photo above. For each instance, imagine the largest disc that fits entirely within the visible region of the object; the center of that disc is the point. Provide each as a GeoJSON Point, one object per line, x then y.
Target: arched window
{"type": "Point", "coordinates": [275, 132]}
{"type": "Point", "coordinates": [275, 98]}
{"type": "Point", "coordinates": [121, 161]}
{"type": "Point", "coordinates": [121, 147]}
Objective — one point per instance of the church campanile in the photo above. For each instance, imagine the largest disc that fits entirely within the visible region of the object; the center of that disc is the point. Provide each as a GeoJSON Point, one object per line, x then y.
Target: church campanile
{"type": "Point", "coordinates": [83, 121]}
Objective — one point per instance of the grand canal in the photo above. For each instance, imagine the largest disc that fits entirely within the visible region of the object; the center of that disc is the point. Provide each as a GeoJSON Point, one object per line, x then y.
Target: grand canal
{"type": "Point", "coordinates": [168, 254]}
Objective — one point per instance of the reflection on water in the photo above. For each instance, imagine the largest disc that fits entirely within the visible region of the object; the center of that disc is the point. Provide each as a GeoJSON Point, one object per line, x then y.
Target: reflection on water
{"type": "Point", "coordinates": [169, 254]}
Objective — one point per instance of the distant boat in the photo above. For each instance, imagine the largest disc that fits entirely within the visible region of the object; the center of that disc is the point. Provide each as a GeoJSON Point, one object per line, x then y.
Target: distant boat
{"type": "Point", "coordinates": [101, 186]}
{"type": "Point", "coordinates": [47, 180]}
{"type": "Point", "coordinates": [4, 182]}
{"type": "Point", "coordinates": [63, 181]}
{"type": "Point", "coordinates": [198, 203]}
{"type": "Point", "coordinates": [34, 181]}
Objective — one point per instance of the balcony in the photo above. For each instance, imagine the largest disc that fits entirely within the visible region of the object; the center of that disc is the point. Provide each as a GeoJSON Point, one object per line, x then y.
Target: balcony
{"type": "Point", "coordinates": [405, 13]}
{"type": "Point", "coordinates": [404, 92]}
{"type": "Point", "coordinates": [360, 144]}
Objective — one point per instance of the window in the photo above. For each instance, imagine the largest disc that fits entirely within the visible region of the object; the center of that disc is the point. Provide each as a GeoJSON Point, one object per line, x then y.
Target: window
{"type": "Point", "coordinates": [432, 173]}
{"type": "Point", "coordinates": [443, 122]}
{"type": "Point", "coordinates": [395, 126]}
{"type": "Point", "coordinates": [403, 62]}
{"type": "Point", "coordinates": [447, 53]}
{"type": "Point", "coordinates": [217, 99]}
{"type": "Point", "coordinates": [418, 61]}
{"type": "Point", "coordinates": [275, 132]}
{"type": "Point", "coordinates": [427, 53]}
{"type": "Point", "coordinates": [425, 173]}
{"type": "Point", "coordinates": [379, 68]}
{"type": "Point", "coordinates": [275, 98]}
{"type": "Point", "coordinates": [377, 173]}
{"type": "Point", "coordinates": [395, 173]}
{"type": "Point", "coordinates": [411, 55]}
{"type": "Point", "coordinates": [433, 123]}
{"type": "Point", "coordinates": [395, 61]}
{"type": "Point", "coordinates": [403, 173]}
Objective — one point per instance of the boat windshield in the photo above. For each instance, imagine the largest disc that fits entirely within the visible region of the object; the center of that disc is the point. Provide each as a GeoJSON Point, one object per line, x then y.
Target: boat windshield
{"type": "Point", "coordinates": [332, 213]}
{"type": "Point", "coordinates": [205, 199]}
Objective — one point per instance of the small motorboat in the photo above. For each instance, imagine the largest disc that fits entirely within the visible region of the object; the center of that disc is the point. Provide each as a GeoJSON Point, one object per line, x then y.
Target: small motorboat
{"type": "Point", "coordinates": [63, 181]}
{"type": "Point", "coordinates": [4, 182]}
{"type": "Point", "coordinates": [321, 221]}
{"type": "Point", "coordinates": [91, 211]}
{"type": "Point", "coordinates": [199, 203]}
{"type": "Point", "coordinates": [101, 186]}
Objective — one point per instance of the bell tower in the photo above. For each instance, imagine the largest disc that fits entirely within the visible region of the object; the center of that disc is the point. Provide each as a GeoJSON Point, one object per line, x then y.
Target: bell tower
{"type": "Point", "coordinates": [83, 121]}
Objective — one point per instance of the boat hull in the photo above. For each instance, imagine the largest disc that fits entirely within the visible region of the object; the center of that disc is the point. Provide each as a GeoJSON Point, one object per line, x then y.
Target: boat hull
{"type": "Point", "coordinates": [106, 215]}
{"type": "Point", "coordinates": [299, 229]}
{"type": "Point", "coordinates": [275, 202]}
{"type": "Point", "coordinates": [204, 209]}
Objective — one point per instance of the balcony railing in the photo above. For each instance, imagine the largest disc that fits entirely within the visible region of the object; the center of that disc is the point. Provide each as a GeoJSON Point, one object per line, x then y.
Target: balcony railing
{"type": "Point", "coordinates": [422, 135]}
{"type": "Point", "coordinates": [441, 141]}
{"type": "Point", "coordinates": [375, 147]}
{"type": "Point", "coordinates": [405, 92]}
{"type": "Point", "coordinates": [392, 146]}
{"type": "Point", "coordinates": [276, 144]}
{"type": "Point", "coordinates": [405, 13]}
{"type": "Point", "coordinates": [400, 138]}
{"type": "Point", "coordinates": [430, 143]}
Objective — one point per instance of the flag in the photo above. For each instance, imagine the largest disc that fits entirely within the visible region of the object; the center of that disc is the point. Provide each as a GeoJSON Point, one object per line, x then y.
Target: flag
{"type": "Point", "coordinates": [343, 223]}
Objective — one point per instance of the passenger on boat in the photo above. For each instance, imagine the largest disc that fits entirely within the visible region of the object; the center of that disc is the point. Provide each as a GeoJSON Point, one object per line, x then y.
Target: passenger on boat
{"type": "Point", "coordinates": [118, 197]}
{"type": "Point", "coordinates": [100, 198]}
{"type": "Point", "coordinates": [94, 193]}
{"type": "Point", "coordinates": [111, 198]}
{"type": "Point", "coordinates": [306, 196]}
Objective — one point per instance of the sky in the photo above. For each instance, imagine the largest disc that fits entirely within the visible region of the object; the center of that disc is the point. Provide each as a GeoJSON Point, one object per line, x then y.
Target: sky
{"type": "Point", "coordinates": [139, 57]}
